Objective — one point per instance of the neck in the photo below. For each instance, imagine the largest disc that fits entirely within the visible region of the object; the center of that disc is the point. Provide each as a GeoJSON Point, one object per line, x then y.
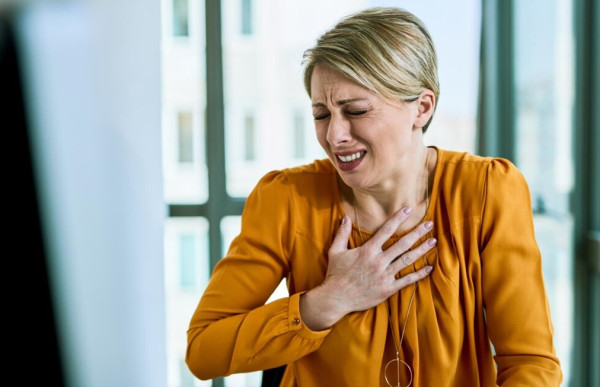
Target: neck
{"type": "Point", "coordinates": [374, 206]}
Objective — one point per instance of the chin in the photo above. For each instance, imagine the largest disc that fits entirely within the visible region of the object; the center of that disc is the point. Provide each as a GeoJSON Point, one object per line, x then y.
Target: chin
{"type": "Point", "coordinates": [353, 182]}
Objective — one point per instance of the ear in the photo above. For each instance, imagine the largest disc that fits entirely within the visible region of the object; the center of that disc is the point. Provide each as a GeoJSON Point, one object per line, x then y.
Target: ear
{"type": "Point", "coordinates": [425, 108]}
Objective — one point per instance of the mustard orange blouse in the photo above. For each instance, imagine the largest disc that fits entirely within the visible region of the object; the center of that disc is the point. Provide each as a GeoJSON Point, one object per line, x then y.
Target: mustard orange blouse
{"type": "Point", "coordinates": [480, 319]}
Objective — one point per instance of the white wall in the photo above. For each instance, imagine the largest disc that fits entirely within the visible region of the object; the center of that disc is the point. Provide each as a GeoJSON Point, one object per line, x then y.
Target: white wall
{"type": "Point", "coordinates": [93, 70]}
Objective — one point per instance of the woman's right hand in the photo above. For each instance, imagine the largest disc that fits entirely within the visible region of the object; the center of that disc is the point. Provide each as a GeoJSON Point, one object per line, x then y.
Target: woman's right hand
{"type": "Point", "coordinates": [360, 278]}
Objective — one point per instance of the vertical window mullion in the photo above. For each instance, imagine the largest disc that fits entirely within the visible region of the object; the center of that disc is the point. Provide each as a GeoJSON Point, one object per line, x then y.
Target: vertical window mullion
{"type": "Point", "coordinates": [215, 139]}
{"type": "Point", "coordinates": [496, 121]}
{"type": "Point", "coordinates": [585, 202]}
{"type": "Point", "coordinates": [215, 135]}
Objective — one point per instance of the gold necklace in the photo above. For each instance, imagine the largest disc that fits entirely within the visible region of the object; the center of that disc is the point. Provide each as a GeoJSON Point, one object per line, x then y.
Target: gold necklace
{"type": "Point", "coordinates": [397, 359]}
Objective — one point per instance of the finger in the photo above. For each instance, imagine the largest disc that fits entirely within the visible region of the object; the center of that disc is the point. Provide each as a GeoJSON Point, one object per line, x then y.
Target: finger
{"type": "Point", "coordinates": [411, 256]}
{"type": "Point", "coordinates": [411, 278]}
{"type": "Point", "coordinates": [407, 241]}
{"type": "Point", "coordinates": [389, 227]}
{"type": "Point", "coordinates": [340, 242]}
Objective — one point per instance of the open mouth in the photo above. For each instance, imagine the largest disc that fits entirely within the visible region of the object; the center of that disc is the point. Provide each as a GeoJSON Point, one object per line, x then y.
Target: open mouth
{"type": "Point", "coordinates": [352, 157]}
{"type": "Point", "coordinates": [348, 162]}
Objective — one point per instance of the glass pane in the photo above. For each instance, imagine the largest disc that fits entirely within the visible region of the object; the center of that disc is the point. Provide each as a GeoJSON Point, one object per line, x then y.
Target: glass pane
{"type": "Point", "coordinates": [185, 129]}
{"type": "Point", "coordinates": [544, 84]}
{"type": "Point", "coordinates": [180, 18]}
{"type": "Point", "coordinates": [246, 17]}
{"type": "Point", "coordinates": [186, 276]}
{"type": "Point", "coordinates": [230, 228]}
{"type": "Point", "coordinates": [251, 379]}
{"type": "Point", "coordinates": [184, 101]}
{"type": "Point", "coordinates": [268, 120]}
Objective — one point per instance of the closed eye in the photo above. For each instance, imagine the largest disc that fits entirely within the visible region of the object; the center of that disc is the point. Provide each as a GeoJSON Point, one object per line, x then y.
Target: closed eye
{"type": "Point", "coordinates": [356, 112]}
{"type": "Point", "coordinates": [320, 117]}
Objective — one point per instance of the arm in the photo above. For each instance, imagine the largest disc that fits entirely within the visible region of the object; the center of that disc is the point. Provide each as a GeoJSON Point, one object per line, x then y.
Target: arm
{"type": "Point", "coordinates": [232, 330]}
{"type": "Point", "coordinates": [517, 309]}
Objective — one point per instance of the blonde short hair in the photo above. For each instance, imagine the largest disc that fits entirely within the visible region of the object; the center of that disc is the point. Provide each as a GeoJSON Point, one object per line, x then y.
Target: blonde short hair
{"type": "Point", "coordinates": [386, 50]}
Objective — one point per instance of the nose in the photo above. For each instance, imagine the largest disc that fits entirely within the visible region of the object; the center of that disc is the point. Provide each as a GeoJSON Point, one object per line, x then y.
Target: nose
{"type": "Point", "coordinates": [338, 130]}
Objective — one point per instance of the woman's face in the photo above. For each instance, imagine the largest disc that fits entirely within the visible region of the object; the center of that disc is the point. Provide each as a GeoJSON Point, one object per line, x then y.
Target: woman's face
{"type": "Point", "coordinates": [370, 140]}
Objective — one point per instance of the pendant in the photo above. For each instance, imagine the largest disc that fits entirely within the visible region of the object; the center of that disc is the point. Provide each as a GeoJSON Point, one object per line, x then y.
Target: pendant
{"type": "Point", "coordinates": [397, 362]}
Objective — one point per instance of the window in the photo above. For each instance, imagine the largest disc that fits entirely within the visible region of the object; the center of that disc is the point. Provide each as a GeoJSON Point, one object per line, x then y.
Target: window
{"type": "Point", "coordinates": [185, 137]}
{"type": "Point", "coordinates": [185, 173]}
{"type": "Point", "coordinates": [246, 12]}
{"type": "Point", "coordinates": [249, 140]}
{"type": "Point", "coordinates": [187, 256]}
{"type": "Point", "coordinates": [186, 276]}
{"type": "Point", "coordinates": [298, 144]}
{"type": "Point", "coordinates": [544, 82]}
{"type": "Point", "coordinates": [185, 377]}
{"type": "Point", "coordinates": [180, 18]}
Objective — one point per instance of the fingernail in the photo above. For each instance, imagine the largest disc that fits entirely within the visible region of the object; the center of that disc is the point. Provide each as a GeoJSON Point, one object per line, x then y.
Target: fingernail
{"type": "Point", "coordinates": [431, 241]}
{"type": "Point", "coordinates": [428, 225]}
{"type": "Point", "coordinates": [428, 269]}
{"type": "Point", "coordinates": [407, 210]}
{"type": "Point", "coordinates": [344, 219]}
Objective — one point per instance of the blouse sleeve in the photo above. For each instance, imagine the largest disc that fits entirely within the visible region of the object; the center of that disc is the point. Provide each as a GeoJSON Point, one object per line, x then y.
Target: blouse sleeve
{"type": "Point", "coordinates": [516, 305]}
{"type": "Point", "coordinates": [232, 330]}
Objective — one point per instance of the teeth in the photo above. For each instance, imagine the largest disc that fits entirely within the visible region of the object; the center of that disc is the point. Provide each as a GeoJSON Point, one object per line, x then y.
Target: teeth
{"type": "Point", "coordinates": [351, 157]}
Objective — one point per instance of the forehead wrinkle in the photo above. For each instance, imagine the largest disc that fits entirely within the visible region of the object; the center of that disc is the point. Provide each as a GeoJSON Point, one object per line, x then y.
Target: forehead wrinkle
{"type": "Point", "coordinates": [340, 102]}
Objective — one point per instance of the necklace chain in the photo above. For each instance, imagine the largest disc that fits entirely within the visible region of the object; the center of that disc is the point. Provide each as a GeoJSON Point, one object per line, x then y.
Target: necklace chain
{"type": "Point", "coordinates": [398, 345]}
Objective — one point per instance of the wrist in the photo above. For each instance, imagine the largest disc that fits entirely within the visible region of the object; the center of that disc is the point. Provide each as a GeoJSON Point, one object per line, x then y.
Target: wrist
{"type": "Point", "coordinates": [318, 309]}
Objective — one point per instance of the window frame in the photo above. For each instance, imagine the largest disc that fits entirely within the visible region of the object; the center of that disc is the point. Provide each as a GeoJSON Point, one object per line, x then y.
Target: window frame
{"type": "Point", "coordinates": [585, 199]}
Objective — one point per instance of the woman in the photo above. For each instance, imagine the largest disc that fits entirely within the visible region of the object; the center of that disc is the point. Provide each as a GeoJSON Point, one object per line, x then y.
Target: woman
{"type": "Point", "coordinates": [404, 263]}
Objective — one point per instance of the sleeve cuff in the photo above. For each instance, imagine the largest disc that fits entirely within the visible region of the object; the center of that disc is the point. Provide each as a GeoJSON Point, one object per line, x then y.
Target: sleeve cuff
{"type": "Point", "coordinates": [296, 324]}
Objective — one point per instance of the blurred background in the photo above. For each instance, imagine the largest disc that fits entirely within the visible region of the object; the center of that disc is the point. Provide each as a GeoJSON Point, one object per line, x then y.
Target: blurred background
{"type": "Point", "coordinates": [136, 129]}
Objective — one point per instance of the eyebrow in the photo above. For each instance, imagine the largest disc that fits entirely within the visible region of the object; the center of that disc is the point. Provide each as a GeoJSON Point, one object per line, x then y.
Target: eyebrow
{"type": "Point", "coordinates": [340, 102]}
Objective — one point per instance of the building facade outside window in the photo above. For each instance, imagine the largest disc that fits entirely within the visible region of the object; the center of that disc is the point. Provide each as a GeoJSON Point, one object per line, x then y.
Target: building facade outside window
{"type": "Point", "coordinates": [299, 127]}
{"type": "Point", "coordinates": [246, 17]}
{"type": "Point", "coordinates": [185, 137]}
{"type": "Point", "coordinates": [180, 18]}
{"type": "Point", "coordinates": [249, 138]}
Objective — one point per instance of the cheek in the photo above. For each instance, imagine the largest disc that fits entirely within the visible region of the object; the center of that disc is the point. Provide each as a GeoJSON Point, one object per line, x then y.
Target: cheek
{"type": "Point", "coordinates": [321, 133]}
